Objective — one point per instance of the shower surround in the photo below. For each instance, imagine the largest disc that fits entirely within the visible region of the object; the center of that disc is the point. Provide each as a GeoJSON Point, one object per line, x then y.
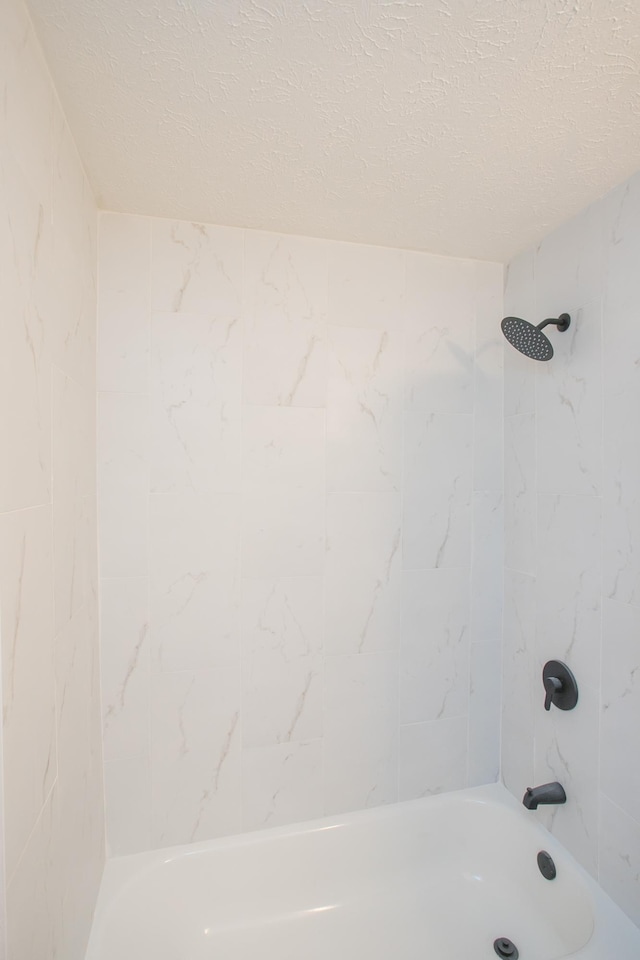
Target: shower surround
{"type": "Point", "coordinates": [300, 488]}
{"type": "Point", "coordinates": [572, 535]}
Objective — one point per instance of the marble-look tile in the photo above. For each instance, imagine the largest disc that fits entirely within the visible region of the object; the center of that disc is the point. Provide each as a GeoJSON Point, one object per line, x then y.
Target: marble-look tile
{"type": "Point", "coordinates": [128, 805]}
{"type": "Point", "coordinates": [364, 409]}
{"type": "Point", "coordinates": [73, 478]}
{"type": "Point", "coordinates": [194, 584]}
{"type": "Point", "coordinates": [31, 895]}
{"type": "Point", "coordinates": [440, 334]}
{"type": "Point", "coordinates": [485, 700]}
{"type": "Point", "coordinates": [123, 526]}
{"type": "Point", "coordinates": [520, 493]}
{"type": "Point", "coordinates": [195, 756]}
{"type": "Point", "coordinates": [366, 286]}
{"type": "Point", "coordinates": [566, 750]}
{"type": "Point", "coordinates": [619, 867]}
{"type": "Point", "coordinates": [488, 438]}
{"type": "Point", "coordinates": [28, 683]}
{"type": "Point", "coordinates": [124, 638]}
{"type": "Point", "coordinates": [569, 409]}
{"type": "Point", "coordinates": [434, 659]}
{"type": "Point", "coordinates": [281, 783]}
{"type": "Point", "coordinates": [25, 373]}
{"type": "Point", "coordinates": [282, 677]}
{"type": "Point", "coordinates": [285, 276]}
{"type": "Point", "coordinates": [519, 301]}
{"type": "Point", "coordinates": [487, 578]}
{"type": "Point", "coordinates": [123, 302]}
{"type": "Point", "coordinates": [621, 353]}
{"type": "Point", "coordinates": [196, 268]}
{"type": "Point", "coordinates": [432, 758]}
{"type": "Point", "coordinates": [556, 272]}
{"type": "Point", "coordinates": [123, 443]}
{"type": "Point", "coordinates": [283, 533]}
{"type": "Point", "coordinates": [520, 684]}
{"type": "Point", "coordinates": [285, 361]}
{"type": "Point", "coordinates": [196, 396]}
{"type": "Point", "coordinates": [360, 731]}
{"type": "Point", "coordinates": [363, 572]}
{"type": "Point", "coordinates": [437, 490]}
{"type": "Point", "coordinates": [283, 448]}
{"type": "Point", "coordinates": [620, 692]}
{"type": "Point", "coordinates": [569, 583]}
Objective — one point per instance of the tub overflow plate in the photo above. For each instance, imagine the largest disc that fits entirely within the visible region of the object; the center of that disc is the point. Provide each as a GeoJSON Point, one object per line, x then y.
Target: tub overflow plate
{"type": "Point", "coordinates": [505, 948]}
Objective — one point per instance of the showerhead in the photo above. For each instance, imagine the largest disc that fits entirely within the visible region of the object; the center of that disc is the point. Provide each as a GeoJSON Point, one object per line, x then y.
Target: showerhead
{"type": "Point", "coordinates": [530, 340]}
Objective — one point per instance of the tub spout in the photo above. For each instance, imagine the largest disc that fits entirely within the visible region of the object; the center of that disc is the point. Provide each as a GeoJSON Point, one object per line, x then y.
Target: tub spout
{"type": "Point", "coordinates": [546, 793]}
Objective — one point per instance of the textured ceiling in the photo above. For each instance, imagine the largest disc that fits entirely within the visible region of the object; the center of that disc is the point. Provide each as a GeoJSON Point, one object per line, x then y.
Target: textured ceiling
{"type": "Point", "coordinates": [463, 127]}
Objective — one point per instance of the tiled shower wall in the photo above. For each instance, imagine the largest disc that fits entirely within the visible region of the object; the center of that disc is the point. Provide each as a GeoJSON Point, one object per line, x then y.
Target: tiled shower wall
{"type": "Point", "coordinates": [53, 784]}
{"type": "Point", "coordinates": [572, 590]}
{"type": "Point", "coordinates": [300, 485]}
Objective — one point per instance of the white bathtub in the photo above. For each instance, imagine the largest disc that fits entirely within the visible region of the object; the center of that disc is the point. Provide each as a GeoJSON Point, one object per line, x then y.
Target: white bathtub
{"type": "Point", "coordinates": [434, 879]}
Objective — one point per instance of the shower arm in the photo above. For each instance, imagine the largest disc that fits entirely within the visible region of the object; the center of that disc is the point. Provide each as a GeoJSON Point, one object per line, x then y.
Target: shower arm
{"type": "Point", "coordinates": [561, 322]}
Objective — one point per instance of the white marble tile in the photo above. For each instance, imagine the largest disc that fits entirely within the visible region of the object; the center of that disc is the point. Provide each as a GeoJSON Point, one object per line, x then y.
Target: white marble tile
{"type": "Point", "coordinates": [440, 334]}
{"type": "Point", "coordinates": [281, 783]}
{"type": "Point", "coordinates": [366, 286]}
{"type": "Point", "coordinates": [432, 758]}
{"type": "Point", "coordinates": [519, 301]}
{"type": "Point", "coordinates": [73, 478]}
{"type": "Point", "coordinates": [566, 751]}
{"type": "Point", "coordinates": [437, 490]}
{"type": "Point", "coordinates": [25, 373]}
{"type": "Point", "coordinates": [128, 805]}
{"type": "Point", "coordinates": [196, 268]}
{"type": "Point", "coordinates": [434, 658]}
{"type": "Point", "coordinates": [520, 682]}
{"type": "Point", "coordinates": [520, 493]}
{"type": "Point", "coordinates": [125, 673]}
{"type": "Point", "coordinates": [31, 895]}
{"type": "Point", "coordinates": [485, 702]}
{"type": "Point", "coordinates": [285, 361]}
{"type": "Point", "coordinates": [123, 443]}
{"type": "Point", "coordinates": [195, 756]}
{"type": "Point", "coordinates": [363, 572]}
{"type": "Point", "coordinates": [29, 737]}
{"type": "Point", "coordinates": [196, 396]}
{"type": "Point", "coordinates": [283, 533]}
{"type": "Point", "coordinates": [194, 585]}
{"type": "Point", "coordinates": [285, 276]}
{"type": "Point", "coordinates": [569, 409]}
{"type": "Point", "coordinates": [364, 409]}
{"type": "Point", "coordinates": [556, 272]}
{"type": "Point", "coordinates": [619, 873]}
{"type": "Point", "coordinates": [283, 448]}
{"type": "Point", "coordinates": [568, 586]}
{"type": "Point", "coordinates": [621, 353]}
{"type": "Point", "coordinates": [488, 439]}
{"type": "Point", "coordinates": [487, 577]}
{"type": "Point", "coordinates": [620, 692]}
{"type": "Point", "coordinates": [360, 731]}
{"type": "Point", "coordinates": [123, 527]}
{"type": "Point", "coordinates": [282, 677]}
{"type": "Point", "coordinates": [123, 302]}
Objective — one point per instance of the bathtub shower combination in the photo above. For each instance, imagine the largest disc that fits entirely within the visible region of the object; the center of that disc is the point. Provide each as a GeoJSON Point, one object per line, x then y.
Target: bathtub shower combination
{"type": "Point", "coordinates": [461, 875]}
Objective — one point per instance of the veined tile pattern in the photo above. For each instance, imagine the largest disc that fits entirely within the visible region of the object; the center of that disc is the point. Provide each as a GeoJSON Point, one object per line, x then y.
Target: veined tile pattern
{"type": "Point", "coordinates": [52, 849]}
{"type": "Point", "coordinates": [572, 536]}
{"type": "Point", "coordinates": [289, 473]}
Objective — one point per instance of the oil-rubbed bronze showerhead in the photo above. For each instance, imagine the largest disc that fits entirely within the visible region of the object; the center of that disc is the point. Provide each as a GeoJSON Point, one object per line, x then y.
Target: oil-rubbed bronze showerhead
{"type": "Point", "coordinates": [529, 339]}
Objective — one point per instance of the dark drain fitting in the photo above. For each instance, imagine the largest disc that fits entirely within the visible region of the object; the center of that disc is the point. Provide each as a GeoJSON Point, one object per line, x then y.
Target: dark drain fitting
{"type": "Point", "coordinates": [505, 948]}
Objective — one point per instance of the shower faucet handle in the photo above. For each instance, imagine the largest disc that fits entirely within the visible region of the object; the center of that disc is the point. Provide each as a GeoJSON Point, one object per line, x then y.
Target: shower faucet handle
{"type": "Point", "coordinates": [560, 686]}
{"type": "Point", "coordinates": [552, 686]}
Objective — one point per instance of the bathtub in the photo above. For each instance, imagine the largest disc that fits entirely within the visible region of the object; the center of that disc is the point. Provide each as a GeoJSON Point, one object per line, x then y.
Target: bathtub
{"type": "Point", "coordinates": [434, 879]}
